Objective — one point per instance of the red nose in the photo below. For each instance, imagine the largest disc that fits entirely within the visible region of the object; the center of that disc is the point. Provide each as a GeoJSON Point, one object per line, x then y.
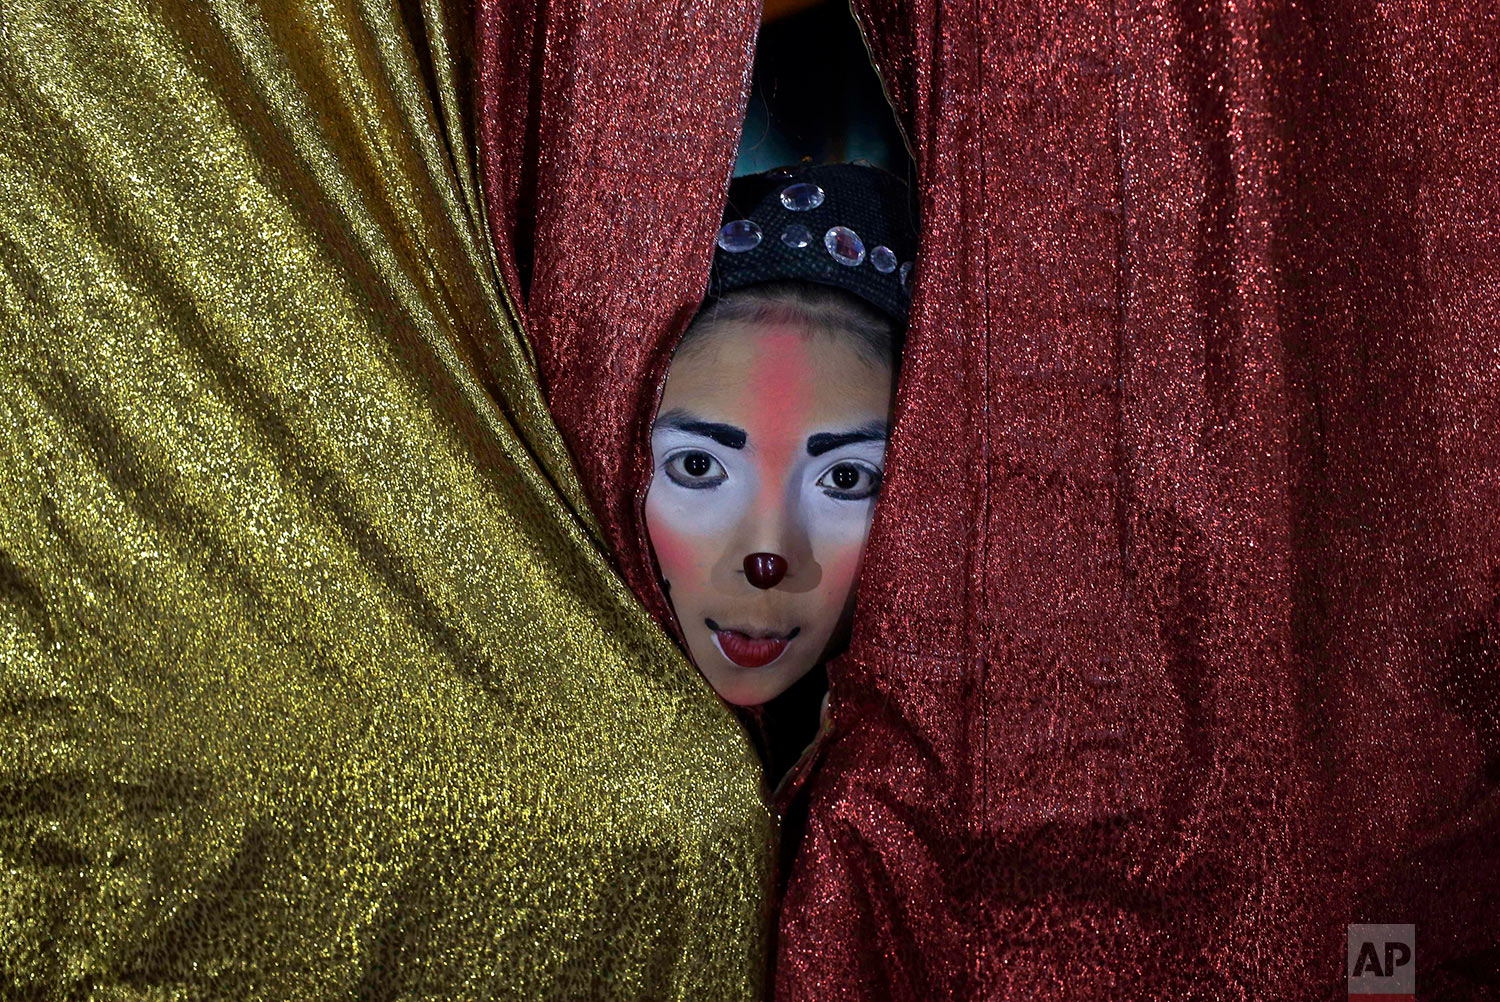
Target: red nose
{"type": "Point", "coordinates": [765, 569]}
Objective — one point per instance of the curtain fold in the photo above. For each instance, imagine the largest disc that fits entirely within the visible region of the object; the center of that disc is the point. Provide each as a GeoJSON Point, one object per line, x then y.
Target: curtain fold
{"type": "Point", "coordinates": [609, 131]}
{"type": "Point", "coordinates": [1177, 643]}
{"type": "Point", "coordinates": [318, 681]}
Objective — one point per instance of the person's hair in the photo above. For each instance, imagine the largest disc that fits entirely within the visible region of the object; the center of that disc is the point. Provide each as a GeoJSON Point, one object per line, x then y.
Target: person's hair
{"type": "Point", "coordinates": [876, 336]}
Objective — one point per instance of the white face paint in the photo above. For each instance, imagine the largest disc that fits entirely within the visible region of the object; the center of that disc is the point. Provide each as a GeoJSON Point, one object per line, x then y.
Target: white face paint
{"type": "Point", "coordinates": [769, 440]}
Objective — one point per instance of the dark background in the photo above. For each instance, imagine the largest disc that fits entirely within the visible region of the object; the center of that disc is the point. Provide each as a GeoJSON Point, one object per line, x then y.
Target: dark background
{"type": "Point", "coordinates": [815, 93]}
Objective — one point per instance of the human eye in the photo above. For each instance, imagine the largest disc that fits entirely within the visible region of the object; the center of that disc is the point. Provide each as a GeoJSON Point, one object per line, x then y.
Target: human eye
{"type": "Point", "coordinates": [849, 480]}
{"type": "Point", "coordinates": [694, 469]}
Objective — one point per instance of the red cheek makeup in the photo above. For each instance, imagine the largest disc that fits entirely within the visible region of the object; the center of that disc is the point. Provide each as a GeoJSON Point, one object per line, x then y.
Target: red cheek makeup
{"type": "Point", "coordinates": [673, 553]}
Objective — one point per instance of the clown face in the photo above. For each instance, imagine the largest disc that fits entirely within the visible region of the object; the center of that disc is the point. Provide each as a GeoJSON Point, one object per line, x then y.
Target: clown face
{"type": "Point", "coordinates": [769, 447]}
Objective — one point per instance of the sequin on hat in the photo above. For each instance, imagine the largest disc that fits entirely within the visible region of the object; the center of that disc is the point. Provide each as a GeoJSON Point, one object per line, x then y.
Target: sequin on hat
{"type": "Point", "coordinates": [844, 246]}
{"type": "Point", "coordinates": [739, 236]}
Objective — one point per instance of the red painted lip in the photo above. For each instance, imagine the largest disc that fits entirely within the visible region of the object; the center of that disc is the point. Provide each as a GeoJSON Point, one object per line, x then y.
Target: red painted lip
{"type": "Point", "coordinates": [747, 652]}
{"type": "Point", "coordinates": [750, 651]}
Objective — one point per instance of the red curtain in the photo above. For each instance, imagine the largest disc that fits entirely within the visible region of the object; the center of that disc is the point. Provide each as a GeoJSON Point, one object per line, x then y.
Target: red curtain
{"type": "Point", "coordinates": [608, 133]}
{"type": "Point", "coordinates": [1177, 650]}
{"type": "Point", "coordinates": [1178, 644]}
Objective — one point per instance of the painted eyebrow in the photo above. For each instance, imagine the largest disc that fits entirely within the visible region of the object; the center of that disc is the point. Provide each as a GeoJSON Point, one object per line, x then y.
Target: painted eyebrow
{"type": "Point", "coordinates": [823, 441]}
{"type": "Point", "coordinates": [732, 437]}
{"type": "Point", "coordinates": [726, 435]}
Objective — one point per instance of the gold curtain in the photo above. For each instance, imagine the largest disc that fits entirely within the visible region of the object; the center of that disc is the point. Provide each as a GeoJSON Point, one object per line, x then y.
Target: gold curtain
{"type": "Point", "coordinates": [316, 680]}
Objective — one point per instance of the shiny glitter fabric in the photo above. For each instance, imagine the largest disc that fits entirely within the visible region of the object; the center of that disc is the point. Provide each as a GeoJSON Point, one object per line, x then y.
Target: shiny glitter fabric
{"type": "Point", "coordinates": [608, 132]}
{"type": "Point", "coordinates": [317, 682]}
{"type": "Point", "coordinates": [1179, 638]}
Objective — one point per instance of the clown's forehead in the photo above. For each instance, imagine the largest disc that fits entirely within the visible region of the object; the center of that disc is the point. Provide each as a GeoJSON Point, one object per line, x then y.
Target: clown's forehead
{"type": "Point", "coordinates": [776, 374]}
